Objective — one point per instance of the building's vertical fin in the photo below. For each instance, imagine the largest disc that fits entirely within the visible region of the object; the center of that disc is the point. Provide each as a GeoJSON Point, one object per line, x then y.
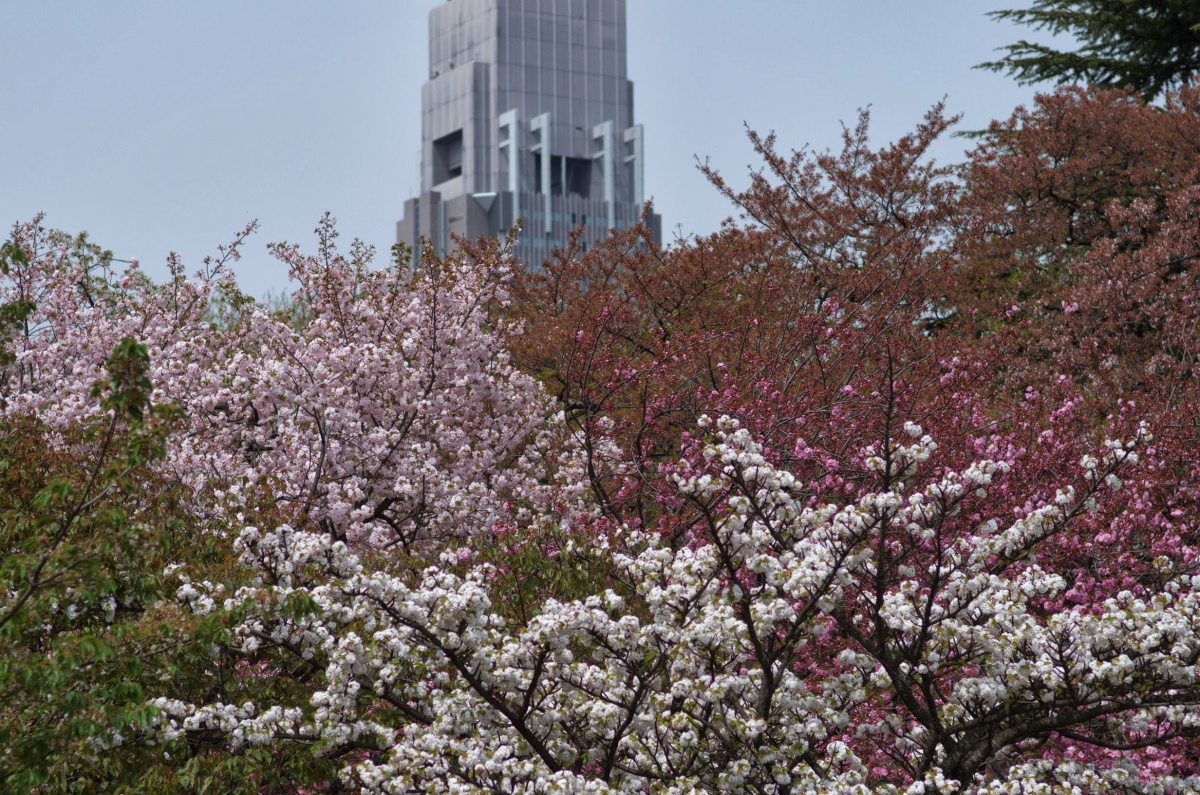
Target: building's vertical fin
{"type": "Point", "coordinates": [635, 137]}
{"type": "Point", "coordinates": [541, 124]}
{"type": "Point", "coordinates": [603, 132]}
{"type": "Point", "coordinates": [510, 120]}
{"type": "Point", "coordinates": [443, 231]}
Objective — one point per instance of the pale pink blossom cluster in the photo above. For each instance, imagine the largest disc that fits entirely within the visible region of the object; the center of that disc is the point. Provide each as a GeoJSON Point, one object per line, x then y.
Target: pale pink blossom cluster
{"type": "Point", "coordinates": [389, 414]}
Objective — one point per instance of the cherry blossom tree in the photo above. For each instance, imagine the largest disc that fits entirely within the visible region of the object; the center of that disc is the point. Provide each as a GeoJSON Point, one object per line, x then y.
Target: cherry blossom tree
{"type": "Point", "coordinates": [849, 605]}
{"type": "Point", "coordinates": [798, 315]}
{"type": "Point", "coordinates": [887, 643]}
{"type": "Point", "coordinates": [785, 508]}
{"type": "Point", "coordinates": [1082, 243]}
{"type": "Point", "coordinates": [382, 411]}
{"type": "Point", "coordinates": [391, 416]}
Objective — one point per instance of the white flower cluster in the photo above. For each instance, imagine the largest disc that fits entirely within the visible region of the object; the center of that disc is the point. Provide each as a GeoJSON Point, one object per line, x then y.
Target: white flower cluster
{"type": "Point", "coordinates": [760, 660]}
{"type": "Point", "coordinates": [197, 597]}
{"type": "Point", "coordinates": [900, 461]}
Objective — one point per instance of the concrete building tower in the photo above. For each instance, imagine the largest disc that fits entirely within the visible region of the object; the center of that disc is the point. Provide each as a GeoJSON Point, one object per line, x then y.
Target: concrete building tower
{"type": "Point", "coordinates": [527, 113]}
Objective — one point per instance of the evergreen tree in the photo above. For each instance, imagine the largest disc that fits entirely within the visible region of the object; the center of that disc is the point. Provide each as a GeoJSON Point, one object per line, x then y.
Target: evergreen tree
{"type": "Point", "coordinates": [1147, 45]}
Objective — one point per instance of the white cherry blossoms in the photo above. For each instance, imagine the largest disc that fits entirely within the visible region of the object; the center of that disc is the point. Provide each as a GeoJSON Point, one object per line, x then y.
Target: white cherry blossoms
{"type": "Point", "coordinates": [885, 644]}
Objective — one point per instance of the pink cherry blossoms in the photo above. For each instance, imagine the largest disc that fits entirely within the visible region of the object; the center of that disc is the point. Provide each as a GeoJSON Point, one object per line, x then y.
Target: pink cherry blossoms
{"type": "Point", "coordinates": [390, 416]}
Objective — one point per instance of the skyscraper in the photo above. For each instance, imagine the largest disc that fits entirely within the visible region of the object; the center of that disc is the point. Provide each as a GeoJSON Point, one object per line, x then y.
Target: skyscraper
{"type": "Point", "coordinates": [527, 113]}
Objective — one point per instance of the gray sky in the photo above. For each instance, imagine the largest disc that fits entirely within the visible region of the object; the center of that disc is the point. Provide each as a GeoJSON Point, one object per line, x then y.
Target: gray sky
{"type": "Point", "coordinates": [161, 126]}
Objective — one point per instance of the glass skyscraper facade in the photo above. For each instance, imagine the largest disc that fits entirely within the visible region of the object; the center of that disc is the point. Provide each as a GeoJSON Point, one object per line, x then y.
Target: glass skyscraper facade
{"type": "Point", "coordinates": [527, 113]}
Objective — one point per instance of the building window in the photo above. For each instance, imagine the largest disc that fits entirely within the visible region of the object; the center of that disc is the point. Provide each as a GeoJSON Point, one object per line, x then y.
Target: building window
{"type": "Point", "coordinates": [448, 157]}
{"type": "Point", "coordinates": [579, 176]}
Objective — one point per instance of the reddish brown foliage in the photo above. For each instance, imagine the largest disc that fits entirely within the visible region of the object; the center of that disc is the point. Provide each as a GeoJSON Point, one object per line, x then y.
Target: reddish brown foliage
{"type": "Point", "coordinates": [1083, 240]}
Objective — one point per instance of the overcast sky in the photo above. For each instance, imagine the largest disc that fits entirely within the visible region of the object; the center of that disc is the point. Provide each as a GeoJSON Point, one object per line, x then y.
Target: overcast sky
{"type": "Point", "coordinates": [162, 126]}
